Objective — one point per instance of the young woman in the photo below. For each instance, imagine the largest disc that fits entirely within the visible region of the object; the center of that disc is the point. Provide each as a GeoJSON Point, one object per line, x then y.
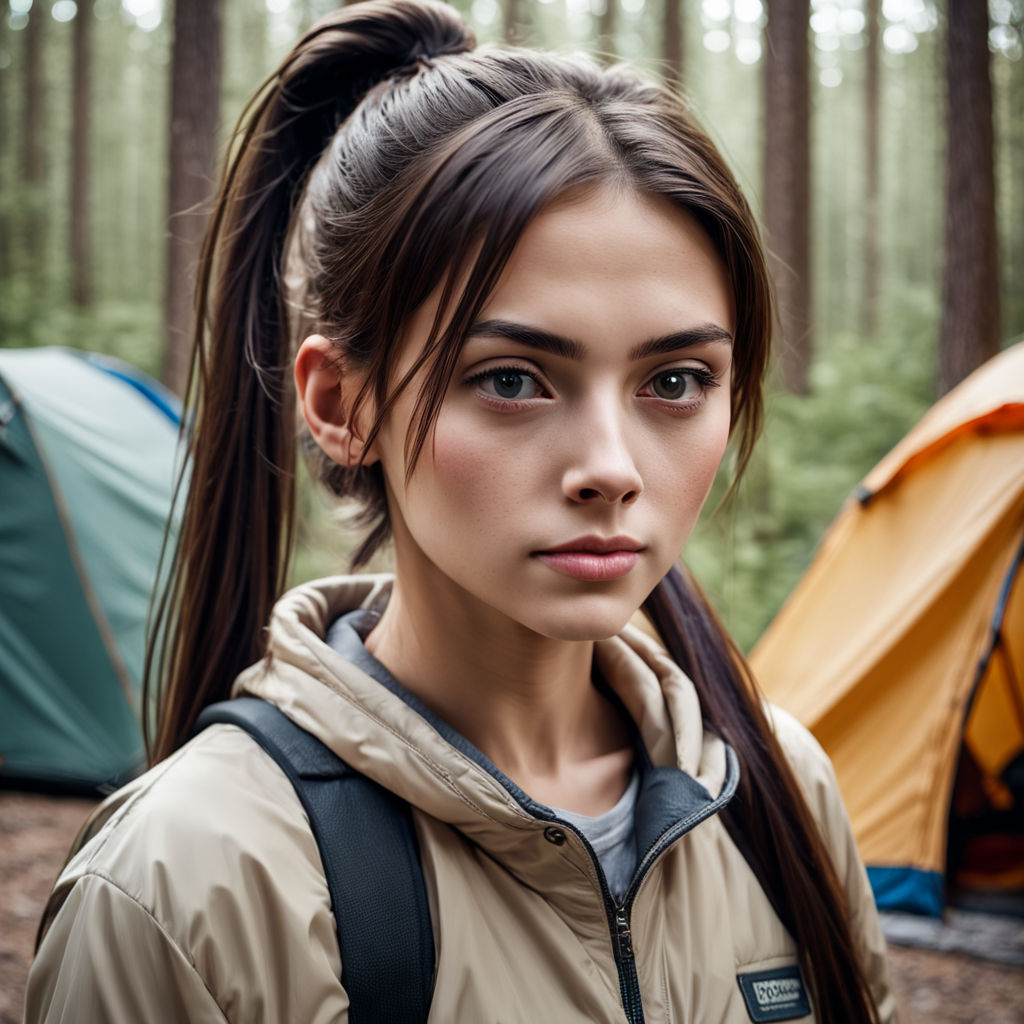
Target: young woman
{"type": "Point", "coordinates": [529, 306]}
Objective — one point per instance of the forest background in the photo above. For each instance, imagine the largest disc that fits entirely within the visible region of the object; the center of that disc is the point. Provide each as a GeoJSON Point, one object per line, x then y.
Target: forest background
{"type": "Point", "coordinates": [882, 142]}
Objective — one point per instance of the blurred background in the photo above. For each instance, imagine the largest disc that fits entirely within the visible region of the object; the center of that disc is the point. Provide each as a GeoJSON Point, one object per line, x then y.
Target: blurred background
{"type": "Point", "coordinates": [844, 120]}
{"type": "Point", "coordinates": [881, 143]}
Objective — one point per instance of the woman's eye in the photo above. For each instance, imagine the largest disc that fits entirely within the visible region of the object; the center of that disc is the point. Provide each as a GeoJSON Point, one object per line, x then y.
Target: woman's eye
{"type": "Point", "coordinates": [509, 385]}
{"type": "Point", "coordinates": [676, 385]}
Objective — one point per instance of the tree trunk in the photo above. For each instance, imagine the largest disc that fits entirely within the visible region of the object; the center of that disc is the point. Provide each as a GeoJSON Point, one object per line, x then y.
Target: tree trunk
{"type": "Point", "coordinates": [512, 27]}
{"type": "Point", "coordinates": [673, 41]}
{"type": "Point", "coordinates": [195, 95]}
{"type": "Point", "coordinates": [7, 179]}
{"type": "Point", "coordinates": [33, 151]}
{"type": "Point", "coordinates": [787, 179]}
{"type": "Point", "coordinates": [255, 43]}
{"type": "Point", "coordinates": [308, 14]}
{"type": "Point", "coordinates": [606, 33]}
{"type": "Point", "coordinates": [81, 126]}
{"type": "Point", "coordinates": [33, 144]}
{"type": "Point", "coordinates": [970, 286]}
{"type": "Point", "coordinates": [1009, 96]}
{"type": "Point", "coordinates": [872, 251]}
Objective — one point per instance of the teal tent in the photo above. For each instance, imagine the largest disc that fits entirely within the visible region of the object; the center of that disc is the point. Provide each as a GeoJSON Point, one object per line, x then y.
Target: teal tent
{"type": "Point", "coordinates": [88, 454]}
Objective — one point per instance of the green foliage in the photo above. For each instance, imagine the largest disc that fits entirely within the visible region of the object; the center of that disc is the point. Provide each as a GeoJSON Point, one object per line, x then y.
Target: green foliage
{"type": "Point", "coordinates": [749, 553]}
{"type": "Point", "coordinates": [116, 327]}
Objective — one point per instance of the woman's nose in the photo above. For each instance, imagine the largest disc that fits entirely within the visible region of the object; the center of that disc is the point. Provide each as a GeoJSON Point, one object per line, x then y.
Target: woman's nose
{"type": "Point", "coordinates": [601, 466]}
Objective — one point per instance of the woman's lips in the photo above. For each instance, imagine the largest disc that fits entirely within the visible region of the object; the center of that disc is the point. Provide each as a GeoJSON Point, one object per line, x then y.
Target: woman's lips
{"type": "Point", "coordinates": [589, 565]}
{"type": "Point", "coordinates": [594, 559]}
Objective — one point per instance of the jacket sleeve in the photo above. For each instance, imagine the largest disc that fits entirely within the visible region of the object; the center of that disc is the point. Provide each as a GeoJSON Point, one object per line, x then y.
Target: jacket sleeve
{"type": "Point", "coordinates": [105, 958]}
{"type": "Point", "coordinates": [817, 777]}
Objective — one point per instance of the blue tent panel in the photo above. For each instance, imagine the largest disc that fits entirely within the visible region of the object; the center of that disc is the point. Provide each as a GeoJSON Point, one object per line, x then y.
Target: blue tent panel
{"type": "Point", "coordinates": [165, 400]}
{"type": "Point", "coordinates": [89, 449]}
{"type": "Point", "coordinates": [907, 889]}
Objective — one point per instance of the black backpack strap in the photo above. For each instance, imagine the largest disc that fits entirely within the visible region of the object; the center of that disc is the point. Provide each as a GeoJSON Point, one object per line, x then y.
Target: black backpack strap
{"type": "Point", "coordinates": [371, 859]}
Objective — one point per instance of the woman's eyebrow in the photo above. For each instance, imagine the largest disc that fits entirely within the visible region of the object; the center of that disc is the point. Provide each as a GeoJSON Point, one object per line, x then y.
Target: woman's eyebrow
{"type": "Point", "coordinates": [700, 335]}
{"type": "Point", "coordinates": [566, 348]}
{"type": "Point", "coordinates": [532, 336]}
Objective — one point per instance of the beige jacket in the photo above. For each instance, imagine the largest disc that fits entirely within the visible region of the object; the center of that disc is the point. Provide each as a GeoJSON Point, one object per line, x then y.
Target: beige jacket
{"type": "Point", "coordinates": [202, 897]}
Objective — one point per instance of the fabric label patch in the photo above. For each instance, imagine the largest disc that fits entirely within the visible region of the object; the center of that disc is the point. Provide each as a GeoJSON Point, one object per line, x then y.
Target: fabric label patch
{"type": "Point", "coordinates": [778, 994]}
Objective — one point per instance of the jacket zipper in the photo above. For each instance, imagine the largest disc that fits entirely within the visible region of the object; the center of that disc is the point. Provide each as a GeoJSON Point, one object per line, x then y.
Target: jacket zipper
{"type": "Point", "coordinates": [621, 926]}
{"type": "Point", "coordinates": [629, 984]}
{"type": "Point", "coordinates": [621, 933]}
{"type": "Point", "coordinates": [619, 913]}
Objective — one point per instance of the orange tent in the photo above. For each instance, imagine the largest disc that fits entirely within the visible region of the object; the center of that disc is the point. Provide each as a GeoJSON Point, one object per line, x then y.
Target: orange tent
{"type": "Point", "coordinates": [902, 648]}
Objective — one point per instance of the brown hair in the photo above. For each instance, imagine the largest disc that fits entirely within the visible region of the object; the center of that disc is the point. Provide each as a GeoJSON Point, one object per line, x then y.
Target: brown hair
{"type": "Point", "coordinates": [399, 160]}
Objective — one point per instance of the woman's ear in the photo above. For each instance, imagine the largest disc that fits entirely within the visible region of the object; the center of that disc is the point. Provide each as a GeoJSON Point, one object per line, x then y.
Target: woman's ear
{"type": "Point", "coordinates": [326, 396]}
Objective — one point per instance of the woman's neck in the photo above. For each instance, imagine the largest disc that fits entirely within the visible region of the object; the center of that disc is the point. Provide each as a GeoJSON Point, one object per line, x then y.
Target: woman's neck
{"type": "Point", "coordinates": [525, 700]}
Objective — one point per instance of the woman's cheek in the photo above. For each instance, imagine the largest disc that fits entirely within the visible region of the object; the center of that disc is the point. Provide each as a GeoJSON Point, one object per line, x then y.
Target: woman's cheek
{"type": "Point", "coordinates": [473, 472]}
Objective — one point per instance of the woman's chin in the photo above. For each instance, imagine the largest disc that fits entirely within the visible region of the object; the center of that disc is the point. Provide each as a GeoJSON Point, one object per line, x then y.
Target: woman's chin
{"type": "Point", "coordinates": [583, 627]}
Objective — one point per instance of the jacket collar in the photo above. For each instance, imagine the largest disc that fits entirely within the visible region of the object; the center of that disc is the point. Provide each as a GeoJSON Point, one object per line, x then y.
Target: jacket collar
{"type": "Point", "coordinates": [380, 729]}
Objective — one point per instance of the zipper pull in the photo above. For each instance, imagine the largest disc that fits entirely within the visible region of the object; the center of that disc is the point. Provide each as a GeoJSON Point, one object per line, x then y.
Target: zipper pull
{"type": "Point", "coordinates": [623, 933]}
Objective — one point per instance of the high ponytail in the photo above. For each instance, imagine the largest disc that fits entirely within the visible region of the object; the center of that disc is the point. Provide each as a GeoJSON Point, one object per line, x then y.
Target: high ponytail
{"type": "Point", "coordinates": [233, 549]}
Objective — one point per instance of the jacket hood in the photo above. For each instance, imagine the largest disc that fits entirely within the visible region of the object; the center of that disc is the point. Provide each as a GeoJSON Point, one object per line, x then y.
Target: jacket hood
{"type": "Point", "coordinates": [421, 759]}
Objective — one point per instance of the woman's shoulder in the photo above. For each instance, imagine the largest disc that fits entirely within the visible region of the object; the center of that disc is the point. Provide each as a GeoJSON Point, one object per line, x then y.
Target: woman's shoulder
{"type": "Point", "coordinates": [208, 856]}
{"type": "Point", "coordinates": [814, 773]}
{"type": "Point", "coordinates": [805, 754]}
{"type": "Point", "coordinates": [213, 804]}
{"type": "Point", "coordinates": [218, 814]}
{"type": "Point", "coordinates": [817, 779]}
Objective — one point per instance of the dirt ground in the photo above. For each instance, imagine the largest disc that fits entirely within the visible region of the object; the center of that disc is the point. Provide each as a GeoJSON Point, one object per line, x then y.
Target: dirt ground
{"type": "Point", "coordinates": [932, 988]}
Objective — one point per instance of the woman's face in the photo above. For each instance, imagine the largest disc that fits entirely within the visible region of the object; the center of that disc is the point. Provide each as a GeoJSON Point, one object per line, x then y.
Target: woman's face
{"type": "Point", "coordinates": [583, 426]}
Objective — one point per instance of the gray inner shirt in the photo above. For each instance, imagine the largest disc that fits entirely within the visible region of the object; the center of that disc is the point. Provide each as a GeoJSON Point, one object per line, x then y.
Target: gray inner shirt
{"type": "Point", "coordinates": [613, 837]}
